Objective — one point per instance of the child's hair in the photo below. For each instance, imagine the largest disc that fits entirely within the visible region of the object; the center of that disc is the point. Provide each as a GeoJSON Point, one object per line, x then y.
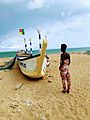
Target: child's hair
{"type": "Point", "coordinates": [63, 47]}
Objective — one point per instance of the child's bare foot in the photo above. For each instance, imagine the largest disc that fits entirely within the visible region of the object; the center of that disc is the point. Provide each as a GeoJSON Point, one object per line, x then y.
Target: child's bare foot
{"type": "Point", "coordinates": [68, 92]}
{"type": "Point", "coordinates": [63, 91]}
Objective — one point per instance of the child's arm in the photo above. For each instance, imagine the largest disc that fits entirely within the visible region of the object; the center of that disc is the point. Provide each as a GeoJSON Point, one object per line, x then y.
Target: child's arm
{"type": "Point", "coordinates": [61, 61]}
{"type": "Point", "coordinates": [69, 59]}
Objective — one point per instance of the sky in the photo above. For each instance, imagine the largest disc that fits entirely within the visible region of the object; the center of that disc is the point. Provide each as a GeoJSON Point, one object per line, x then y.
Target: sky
{"type": "Point", "coordinates": [62, 21]}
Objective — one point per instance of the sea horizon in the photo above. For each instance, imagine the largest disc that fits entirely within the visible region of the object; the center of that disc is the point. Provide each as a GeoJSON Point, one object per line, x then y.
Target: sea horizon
{"type": "Point", "coordinates": [5, 54]}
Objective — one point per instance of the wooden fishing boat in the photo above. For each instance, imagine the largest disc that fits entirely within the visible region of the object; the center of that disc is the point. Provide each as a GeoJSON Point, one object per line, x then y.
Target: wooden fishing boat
{"type": "Point", "coordinates": [33, 66]}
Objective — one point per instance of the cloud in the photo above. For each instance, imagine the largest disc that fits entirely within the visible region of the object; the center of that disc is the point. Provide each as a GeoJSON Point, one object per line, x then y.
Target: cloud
{"type": "Point", "coordinates": [69, 5]}
{"type": "Point", "coordinates": [10, 1]}
{"type": "Point", "coordinates": [15, 42]}
{"type": "Point", "coordinates": [37, 4]}
{"type": "Point", "coordinates": [33, 4]}
{"type": "Point", "coordinates": [74, 32]}
{"type": "Point", "coordinates": [73, 3]}
{"type": "Point", "coordinates": [62, 21]}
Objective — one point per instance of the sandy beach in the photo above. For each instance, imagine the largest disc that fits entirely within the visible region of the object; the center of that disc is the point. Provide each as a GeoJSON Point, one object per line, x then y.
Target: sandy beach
{"type": "Point", "coordinates": [42, 99]}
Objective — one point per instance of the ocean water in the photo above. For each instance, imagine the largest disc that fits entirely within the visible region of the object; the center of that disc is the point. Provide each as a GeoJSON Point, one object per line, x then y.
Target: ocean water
{"type": "Point", "coordinates": [51, 51]}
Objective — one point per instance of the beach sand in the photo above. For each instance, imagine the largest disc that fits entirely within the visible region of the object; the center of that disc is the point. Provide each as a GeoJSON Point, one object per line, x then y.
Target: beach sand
{"type": "Point", "coordinates": [22, 98]}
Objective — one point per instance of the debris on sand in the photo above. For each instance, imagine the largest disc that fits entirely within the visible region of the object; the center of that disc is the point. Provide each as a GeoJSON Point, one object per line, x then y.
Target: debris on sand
{"type": "Point", "coordinates": [18, 86]}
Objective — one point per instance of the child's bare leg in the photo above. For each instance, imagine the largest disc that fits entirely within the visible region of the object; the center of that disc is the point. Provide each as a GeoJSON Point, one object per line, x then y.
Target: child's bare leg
{"type": "Point", "coordinates": [64, 85]}
{"type": "Point", "coordinates": [63, 77]}
{"type": "Point", "coordinates": [68, 83]}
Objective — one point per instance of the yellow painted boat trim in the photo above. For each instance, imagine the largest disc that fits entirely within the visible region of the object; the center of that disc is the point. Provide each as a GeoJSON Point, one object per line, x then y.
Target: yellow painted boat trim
{"type": "Point", "coordinates": [35, 67]}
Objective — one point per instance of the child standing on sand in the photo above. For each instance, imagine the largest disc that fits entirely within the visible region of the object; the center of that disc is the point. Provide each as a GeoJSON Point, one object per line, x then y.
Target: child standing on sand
{"type": "Point", "coordinates": [64, 69]}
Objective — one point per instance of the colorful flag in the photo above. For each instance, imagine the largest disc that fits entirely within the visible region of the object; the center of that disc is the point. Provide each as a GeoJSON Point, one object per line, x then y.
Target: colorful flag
{"type": "Point", "coordinates": [21, 31]}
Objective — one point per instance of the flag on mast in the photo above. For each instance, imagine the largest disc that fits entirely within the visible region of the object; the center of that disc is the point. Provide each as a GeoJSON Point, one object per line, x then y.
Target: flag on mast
{"type": "Point", "coordinates": [21, 31]}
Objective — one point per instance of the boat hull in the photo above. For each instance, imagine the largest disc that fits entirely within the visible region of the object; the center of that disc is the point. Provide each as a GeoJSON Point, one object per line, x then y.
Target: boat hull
{"type": "Point", "coordinates": [33, 66]}
{"type": "Point", "coordinates": [29, 68]}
